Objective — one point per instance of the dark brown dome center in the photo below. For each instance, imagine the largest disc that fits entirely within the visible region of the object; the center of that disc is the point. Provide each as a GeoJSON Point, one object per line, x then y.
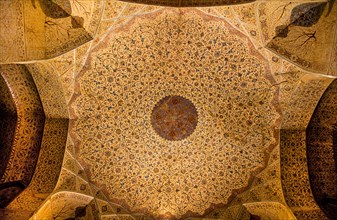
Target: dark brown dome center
{"type": "Point", "coordinates": [174, 118]}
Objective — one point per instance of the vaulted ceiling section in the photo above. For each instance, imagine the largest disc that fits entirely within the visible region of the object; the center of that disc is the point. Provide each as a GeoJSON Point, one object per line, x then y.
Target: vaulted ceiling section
{"type": "Point", "coordinates": [135, 110]}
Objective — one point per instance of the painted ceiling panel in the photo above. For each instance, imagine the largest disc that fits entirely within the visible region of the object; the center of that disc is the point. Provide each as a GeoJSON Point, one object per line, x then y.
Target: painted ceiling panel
{"type": "Point", "coordinates": [304, 33]}
{"type": "Point", "coordinates": [20, 149]}
{"type": "Point", "coordinates": [174, 112]}
{"type": "Point", "coordinates": [42, 29]}
{"type": "Point", "coordinates": [171, 53]}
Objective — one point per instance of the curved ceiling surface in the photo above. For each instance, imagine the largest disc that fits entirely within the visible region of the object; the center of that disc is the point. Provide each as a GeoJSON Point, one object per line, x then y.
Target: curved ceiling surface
{"type": "Point", "coordinates": [171, 53]}
{"type": "Point", "coordinates": [218, 151]}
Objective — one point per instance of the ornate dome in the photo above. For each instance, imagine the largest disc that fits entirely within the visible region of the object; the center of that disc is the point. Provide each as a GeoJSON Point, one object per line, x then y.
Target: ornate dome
{"type": "Point", "coordinates": [133, 110]}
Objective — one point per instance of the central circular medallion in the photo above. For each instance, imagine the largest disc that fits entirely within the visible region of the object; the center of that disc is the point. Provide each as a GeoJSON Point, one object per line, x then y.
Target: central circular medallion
{"type": "Point", "coordinates": [174, 118]}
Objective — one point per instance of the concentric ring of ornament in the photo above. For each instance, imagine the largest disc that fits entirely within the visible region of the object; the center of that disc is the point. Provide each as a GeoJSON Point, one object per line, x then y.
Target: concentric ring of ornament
{"type": "Point", "coordinates": [236, 117]}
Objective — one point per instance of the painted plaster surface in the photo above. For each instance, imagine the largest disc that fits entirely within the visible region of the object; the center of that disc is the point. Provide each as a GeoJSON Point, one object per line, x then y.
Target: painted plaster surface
{"type": "Point", "coordinates": [233, 164]}
{"type": "Point", "coordinates": [171, 53]}
{"type": "Point", "coordinates": [45, 29]}
{"type": "Point", "coordinates": [174, 118]}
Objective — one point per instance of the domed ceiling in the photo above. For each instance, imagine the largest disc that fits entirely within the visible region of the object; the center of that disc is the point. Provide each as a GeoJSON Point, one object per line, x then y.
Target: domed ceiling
{"type": "Point", "coordinates": [174, 112]}
{"type": "Point", "coordinates": [211, 77]}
